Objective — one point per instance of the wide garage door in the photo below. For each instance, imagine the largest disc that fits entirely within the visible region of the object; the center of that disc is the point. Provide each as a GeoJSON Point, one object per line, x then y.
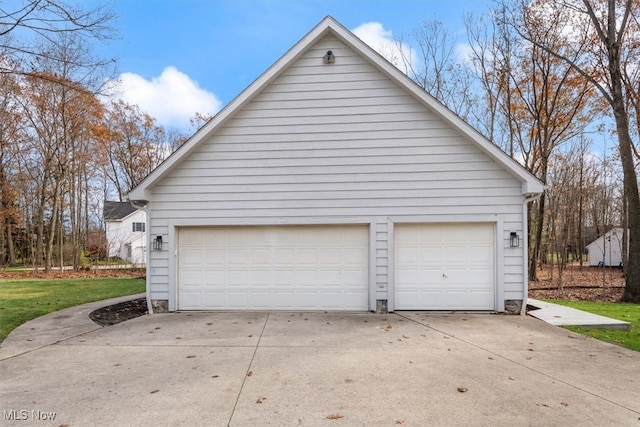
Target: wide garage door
{"type": "Point", "coordinates": [275, 267]}
{"type": "Point", "coordinates": [444, 266]}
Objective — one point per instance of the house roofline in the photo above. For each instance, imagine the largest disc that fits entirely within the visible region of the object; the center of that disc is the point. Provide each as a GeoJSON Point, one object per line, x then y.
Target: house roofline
{"type": "Point", "coordinates": [530, 184]}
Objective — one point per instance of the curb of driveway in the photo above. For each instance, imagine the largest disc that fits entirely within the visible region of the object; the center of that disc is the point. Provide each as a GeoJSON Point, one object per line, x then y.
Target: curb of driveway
{"type": "Point", "coordinates": [55, 327]}
{"type": "Point", "coordinates": [560, 315]}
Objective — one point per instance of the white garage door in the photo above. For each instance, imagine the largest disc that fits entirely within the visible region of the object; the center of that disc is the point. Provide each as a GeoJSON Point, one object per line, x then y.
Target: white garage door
{"type": "Point", "coordinates": [281, 268]}
{"type": "Point", "coordinates": [444, 266]}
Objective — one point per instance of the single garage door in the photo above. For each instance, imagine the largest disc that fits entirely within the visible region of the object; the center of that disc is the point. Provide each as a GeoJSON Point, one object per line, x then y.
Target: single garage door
{"type": "Point", "coordinates": [281, 268]}
{"type": "Point", "coordinates": [444, 266]}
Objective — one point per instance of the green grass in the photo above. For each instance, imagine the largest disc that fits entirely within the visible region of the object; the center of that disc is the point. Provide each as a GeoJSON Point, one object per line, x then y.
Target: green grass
{"type": "Point", "coordinates": [626, 312]}
{"type": "Point", "coordinates": [24, 299]}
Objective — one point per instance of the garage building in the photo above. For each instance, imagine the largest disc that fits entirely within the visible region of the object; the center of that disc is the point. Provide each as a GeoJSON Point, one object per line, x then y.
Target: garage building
{"type": "Point", "coordinates": [334, 182]}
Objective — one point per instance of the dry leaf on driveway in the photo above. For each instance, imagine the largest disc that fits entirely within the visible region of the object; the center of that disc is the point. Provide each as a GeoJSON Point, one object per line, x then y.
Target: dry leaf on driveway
{"type": "Point", "coordinates": [335, 416]}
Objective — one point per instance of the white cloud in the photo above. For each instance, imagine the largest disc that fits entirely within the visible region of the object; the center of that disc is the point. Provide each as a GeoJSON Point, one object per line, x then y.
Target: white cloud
{"type": "Point", "coordinates": [382, 41]}
{"type": "Point", "coordinates": [463, 53]}
{"type": "Point", "coordinates": [171, 98]}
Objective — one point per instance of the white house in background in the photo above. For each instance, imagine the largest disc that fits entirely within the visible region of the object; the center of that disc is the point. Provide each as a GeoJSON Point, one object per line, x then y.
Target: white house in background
{"type": "Point", "coordinates": [606, 250]}
{"type": "Point", "coordinates": [334, 182]}
{"type": "Point", "coordinates": [126, 232]}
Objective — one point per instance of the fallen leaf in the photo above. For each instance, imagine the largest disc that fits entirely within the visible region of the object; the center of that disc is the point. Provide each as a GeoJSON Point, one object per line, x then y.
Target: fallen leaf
{"type": "Point", "coordinates": [157, 327]}
{"type": "Point", "coordinates": [29, 339]}
{"type": "Point", "coordinates": [512, 379]}
{"type": "Point", "coordinates": [542, 404]}
{"type": "Point", "coordinates": [335, 416]}
{"type": "Point", "coordinates": [250, 373]}
{"type": "Point", "coordinates": [404, 336]}
{"type": "Point", "coordinates": [399, 421]}
{"type": "Point", "coordinates": [529, 349]}
{"type": "Point", "coordinates": [463, 389]}
{"type": "Point", "coordinates": [388, 328]}
{"type": "Point", "coordinates": [250, 336]}
{"type": "Point", "coordinates": [154, 391]}
{"type": "Point", "coordinates": [572, 336]}
{"type": "Point", "coordinates": [261, 399]}
{"type": "Point", "coordinates": [118, 364]}
{"type": "Point", "coordinates": [215, 376]}
{"type": "Point", "coordinates": [529, 358]}
{"type": "Point", "coordinates": [446, 337]}
{"type": "Point", "coordinates": [178, 338]}
{"type": "Point", "coordinates": [191, 356]}
{"type": "Point", "coordinates": [564, 403]}
{"type": "Point", "coordinates": [490, 358]}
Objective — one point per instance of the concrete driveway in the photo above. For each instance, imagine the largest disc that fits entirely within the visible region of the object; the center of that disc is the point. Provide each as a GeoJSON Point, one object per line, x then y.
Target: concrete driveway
{"type": "Point", "coordinates": [314, 369]}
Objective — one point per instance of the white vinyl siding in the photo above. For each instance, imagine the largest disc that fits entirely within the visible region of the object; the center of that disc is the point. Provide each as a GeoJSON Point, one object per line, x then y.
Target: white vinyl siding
{"type": "Point", "coordinates": [335, 143]}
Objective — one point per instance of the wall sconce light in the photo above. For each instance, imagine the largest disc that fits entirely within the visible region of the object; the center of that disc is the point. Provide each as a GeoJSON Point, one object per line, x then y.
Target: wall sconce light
{"type": "Point", "coordinates": [514, 240]}
{"type": "Point", "coordinates": [329, 58]}
{"type": "Point", "coordinates": [157, 243]}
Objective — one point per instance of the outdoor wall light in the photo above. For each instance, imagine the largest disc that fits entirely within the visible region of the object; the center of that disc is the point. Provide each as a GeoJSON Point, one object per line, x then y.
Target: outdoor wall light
{"type": "Point", "coordinates": [329, 58]}
{"type": "Point", "coordinates": [157, 243]}
{"type": "Point", "coordinates": [514, 240]}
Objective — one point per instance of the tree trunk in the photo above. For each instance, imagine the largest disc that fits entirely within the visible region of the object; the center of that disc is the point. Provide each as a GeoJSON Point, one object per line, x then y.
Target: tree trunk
{"type": "Point", "coordinates": [632, 196]}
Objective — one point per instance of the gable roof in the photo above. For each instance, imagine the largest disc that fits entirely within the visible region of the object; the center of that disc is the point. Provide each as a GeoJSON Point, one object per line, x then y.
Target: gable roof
{"type": "Point", "coordinates": [530, 184]}
{"type": "Point", "coordinates": [616, 232]}
{"type": "Point", "coordinates": [116, 211]}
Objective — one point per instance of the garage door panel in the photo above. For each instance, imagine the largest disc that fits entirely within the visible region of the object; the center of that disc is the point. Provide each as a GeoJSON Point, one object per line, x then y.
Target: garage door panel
{"type": "Point", "coordinates": [260, 279]}
{"type": "Point", "coordinates": [444, 266]}
{"type": "Point", "coordinates": [315, 267]}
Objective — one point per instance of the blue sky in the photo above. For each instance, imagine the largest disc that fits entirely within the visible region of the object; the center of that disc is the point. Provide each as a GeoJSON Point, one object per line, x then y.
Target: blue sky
{"type": "Point", "coordinates": [179, 57]}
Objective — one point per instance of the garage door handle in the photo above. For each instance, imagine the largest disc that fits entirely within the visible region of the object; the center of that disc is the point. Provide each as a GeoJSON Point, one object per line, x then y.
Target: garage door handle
{"type": "Point", "coordinates": [444, 275]}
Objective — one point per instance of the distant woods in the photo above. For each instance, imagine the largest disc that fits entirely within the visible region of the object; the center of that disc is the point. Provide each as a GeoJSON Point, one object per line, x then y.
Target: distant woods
{"type": "Point", "coordinates": [65, 146]}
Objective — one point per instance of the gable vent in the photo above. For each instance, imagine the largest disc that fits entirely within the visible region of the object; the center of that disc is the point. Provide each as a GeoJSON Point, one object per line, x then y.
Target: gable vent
{"type": "Point", "coordinates": [329, 58]}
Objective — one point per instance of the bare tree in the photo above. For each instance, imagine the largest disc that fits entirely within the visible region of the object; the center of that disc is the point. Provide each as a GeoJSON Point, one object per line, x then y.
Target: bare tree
{"type": "Point", "coordinates": [612, 30]}
{"type": "Point", "coordinates": [28, 24]}
{"type": "Point", "coordinates": [536, 102]}
{"type": "Point", "coordinates": [435, 66]}
{"type": "Point", "coordinates": [10, 136]}
{"type": "Point", "coordinates": [131, 144]}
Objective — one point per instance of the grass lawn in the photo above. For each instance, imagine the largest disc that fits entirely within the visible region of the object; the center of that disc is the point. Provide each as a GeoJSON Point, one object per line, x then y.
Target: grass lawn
{"type": "Point", "coordinates": [626, 312]}
{"type": "Point", "coordinates": [24, 299]}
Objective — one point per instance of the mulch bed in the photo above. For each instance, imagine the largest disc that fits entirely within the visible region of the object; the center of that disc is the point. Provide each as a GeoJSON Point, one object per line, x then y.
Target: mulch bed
{"type": "Point", "coordinates": [71, 274]}
{"type": "Point", "coordinates": [120, 312]}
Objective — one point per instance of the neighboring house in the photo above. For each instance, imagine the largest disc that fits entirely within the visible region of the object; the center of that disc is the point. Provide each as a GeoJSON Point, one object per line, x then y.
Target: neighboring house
{"type": "Point", "coordinates": [606, 250]}
{"type": "Point", "coordinates": [126, 232]}
{"type": "Point", "coordinates": [334, 182]}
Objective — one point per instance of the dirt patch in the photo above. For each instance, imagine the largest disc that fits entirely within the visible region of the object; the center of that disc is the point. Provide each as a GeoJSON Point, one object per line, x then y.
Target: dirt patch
{"type": "Point", "coordinates": [579, 284]}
